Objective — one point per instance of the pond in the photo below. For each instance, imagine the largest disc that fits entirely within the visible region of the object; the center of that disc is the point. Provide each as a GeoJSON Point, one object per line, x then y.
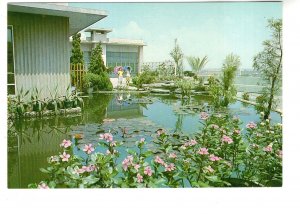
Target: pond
{"type": "Point", "coordinates": [128, 116]}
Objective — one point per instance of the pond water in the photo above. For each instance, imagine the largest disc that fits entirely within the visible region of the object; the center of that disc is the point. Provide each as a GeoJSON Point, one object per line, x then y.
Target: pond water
{"type": "Point", "coordinates": [128, 116]}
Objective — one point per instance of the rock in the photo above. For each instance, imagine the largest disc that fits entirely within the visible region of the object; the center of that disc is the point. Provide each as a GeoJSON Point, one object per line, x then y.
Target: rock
{"type": "Point", "coordinates": [158, 90]}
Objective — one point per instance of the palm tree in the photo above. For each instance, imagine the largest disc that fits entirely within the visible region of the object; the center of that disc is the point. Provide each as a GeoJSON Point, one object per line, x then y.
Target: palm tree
{"type": "Point", "coordinates": [197, 64]}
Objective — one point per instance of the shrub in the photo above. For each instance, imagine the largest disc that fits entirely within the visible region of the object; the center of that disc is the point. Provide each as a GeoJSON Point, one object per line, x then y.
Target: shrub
{"type": "Point", "coordinates": [146, 77]}
{"type": "Point", "coordinates": [97, 82]}
{"type": "Point", "coordinates": [246, 96]}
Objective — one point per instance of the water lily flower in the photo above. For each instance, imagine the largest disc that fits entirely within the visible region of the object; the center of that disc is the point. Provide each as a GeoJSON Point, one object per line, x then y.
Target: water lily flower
{"type": "Point", "coordinates": [214, 158]}
{"type": "Point", "coordinates": [66, 143]}
{"type": "Point", "coordinates": [203, 151]}
{"type": "Point", "coordinates": [43, 186]}
{"type": "Point", "coordinates": [88, 148]}
{"type": "Point", "coordinates": [142, 140]}
{"type": "Point", "coordinates": [226, 139]}
{"type": "Point", "coordinates": [204, 116]}
{"type": "Point", "coordinates": [139, 178]}
{"type": "Point", "coordinates": [148, 171]}
{"type": "Point", "coordinates": [251, 125]}
{"type": "Point", "coordinates": [65, 157]}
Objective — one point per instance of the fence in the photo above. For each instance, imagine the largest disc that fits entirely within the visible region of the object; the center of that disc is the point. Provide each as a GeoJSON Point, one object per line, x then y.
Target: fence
{"type": "Point", "coordinates": [77, 72]}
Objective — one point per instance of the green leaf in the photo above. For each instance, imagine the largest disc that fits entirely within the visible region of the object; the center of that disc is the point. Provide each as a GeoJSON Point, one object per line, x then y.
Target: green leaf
{"type": "Point", "coordinates": [44, 170]}
{"type": "Point", "coordinates": [91, 179]}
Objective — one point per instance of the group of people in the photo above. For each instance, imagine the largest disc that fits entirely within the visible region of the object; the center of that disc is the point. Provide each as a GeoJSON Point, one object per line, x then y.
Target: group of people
{"type": "Point", "coordinates": [120, 71]}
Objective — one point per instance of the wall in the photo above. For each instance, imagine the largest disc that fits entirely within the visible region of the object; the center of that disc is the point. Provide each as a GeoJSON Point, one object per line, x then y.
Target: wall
{"type": "Point", "coordinates": [42, 57]}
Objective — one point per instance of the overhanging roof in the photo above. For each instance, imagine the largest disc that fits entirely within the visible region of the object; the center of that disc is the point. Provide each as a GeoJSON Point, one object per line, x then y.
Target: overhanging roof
{"type": "Point", "coordinates": [79, 18]}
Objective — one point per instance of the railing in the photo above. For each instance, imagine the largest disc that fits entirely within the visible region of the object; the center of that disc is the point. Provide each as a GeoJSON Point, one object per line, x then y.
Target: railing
{"type": "Point", "coordinates": [77, 72]}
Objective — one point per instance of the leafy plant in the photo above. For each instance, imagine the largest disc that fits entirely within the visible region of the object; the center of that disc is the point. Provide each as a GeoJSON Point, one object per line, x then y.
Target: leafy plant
{"type": "Point", "coordinates": [77, 54]}
{"type": "Point", "coordinates": [197, 64]}
{"type": "Point", "coordinates": [36, 102]}
{"type": "Point", "coordinates": [185, 86]}
{"type": "Point", "coordinates": [246, 96]}
{"type": "Point", "coordinates": [177, 56]}
{"type": "Point", "coordinates": [269, 63]}
{"type": "Point", "coordinates": [145, 77]}
{"type": "Point", "coordinates": [97, 65]}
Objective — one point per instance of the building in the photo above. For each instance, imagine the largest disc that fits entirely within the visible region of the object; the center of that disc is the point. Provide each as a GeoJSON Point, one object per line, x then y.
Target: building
{"type": "Point", "coordinates": [116, 52]}
{"type": "Point", "coordinates": [38, 44]}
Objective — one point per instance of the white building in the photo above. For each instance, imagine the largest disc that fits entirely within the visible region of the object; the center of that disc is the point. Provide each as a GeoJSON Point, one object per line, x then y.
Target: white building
{"type": "Point", "coordinates": [116, 52]}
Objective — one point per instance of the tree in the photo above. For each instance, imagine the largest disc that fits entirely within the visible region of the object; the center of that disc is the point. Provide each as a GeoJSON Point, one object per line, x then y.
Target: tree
{"type": "Point", "coordinates": [269, 63]}
{"type": "Point", "coordinates": [177, 56]}
{"type": "Point", "coordinates": [77, 54]}
{"type": "Point", "coordinates": [197, 64]}
{"type": "Point", "coordinates": [97, 64]}
{"type": "Point", "coordinates": [230, 66]}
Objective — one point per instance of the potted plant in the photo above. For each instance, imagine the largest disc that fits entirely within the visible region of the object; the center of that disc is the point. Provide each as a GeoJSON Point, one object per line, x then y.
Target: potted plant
{"type": "Point", "coordinates": [21, 105]}
{"type": "Point", "coordinates": [37, 104]}
{"type": "Point", "coordinates": [54, 102]}
{"type": "Point", "coordinates": [68, 101]}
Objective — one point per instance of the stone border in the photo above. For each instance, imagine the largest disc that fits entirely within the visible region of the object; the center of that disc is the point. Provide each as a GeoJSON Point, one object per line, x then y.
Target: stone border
{"type": "Point", "coordinates": [47, 113]}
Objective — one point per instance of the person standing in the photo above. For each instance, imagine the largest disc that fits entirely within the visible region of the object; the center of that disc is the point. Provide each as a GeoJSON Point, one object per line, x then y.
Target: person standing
{"type": "Point", "coordinates": [120, 74]}
{"type": "Point", "coordinates": [128, 76]}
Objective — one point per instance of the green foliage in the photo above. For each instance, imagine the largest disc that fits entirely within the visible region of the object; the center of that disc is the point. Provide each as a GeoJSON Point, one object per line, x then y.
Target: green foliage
{"type": "Point", "coordinates": [97, 82]}
{"type": "Point", "coordinates": [223, 91]}
{"type": "Point", "coordinates": [185, 86]}
{"type": "Point", "coordinates": [97, 65]}
{"type": "Point", "coordinates": [197, 64]}
{"type": "Point", "coordinates": [177, 56]}
{"type": "Point", "coordinates": [269, 63]}
{"type": "Point", "coordinates": [246, 96]}
{"type": "Point", "coordinates": [77, 54]}
{"type": "Point", "coordinates": [145, 77]}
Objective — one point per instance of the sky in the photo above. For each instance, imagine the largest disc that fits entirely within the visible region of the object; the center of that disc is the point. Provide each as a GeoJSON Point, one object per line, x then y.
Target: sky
{"type": "Point", "coordinates": [212, 29]}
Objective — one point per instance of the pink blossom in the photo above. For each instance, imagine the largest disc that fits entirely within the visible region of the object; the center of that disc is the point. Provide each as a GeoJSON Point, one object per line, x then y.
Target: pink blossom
{"type": "Point", "coordinates": [148, 171]}
{"type": "Point", "coordinates": [65, 157]}
{"type": "Point", "coordinates": [136, 166]}
{"type": "Point", "coordinates": [268, 148]}
{"type": "Point", "coordinates": [170, 167]}
{"type": "Point", "coordinates": [214, 158]}
{"type": "Point", "coordinates": [128, 161]}
{"type": "Point", "coordinates": [88, 148]}
{"type": "Point", "coordinates": [139, 178]}
{"type": "Point", "coordinates": [66, 143]}
{"type": "Point", "coordinates": [89, 168]}
{"type": "Point", "coordinates": [106, 136]}
{"type": "Point", "coordinates": [204, 116]}
{"type": "Point", "coordinates": [79, 171]}
{"type": "Point", "coordinates": [227, 139]}
{"type": "Point", "coordinates": [142, 140]}
{"type": "Point", "coordinates": [159, 160]}
{"type": "Point", "coordinates": [113, 144]}
{"type": "Point", "coordinates": [43, 186]}
{"type": "Point", "coordinates": [208, 169]}
{"type": "Point", "coordinates": [251, 125]}
{"type": "Point", "coordinates": [203, 151]}
{"type": "Point", "coordinates": [192, 142]}
{"type": "Point", "coordinates": [172, 155]}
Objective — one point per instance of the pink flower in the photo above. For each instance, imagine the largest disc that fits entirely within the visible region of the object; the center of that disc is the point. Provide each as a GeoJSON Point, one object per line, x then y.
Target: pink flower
{"type": "Point", "coordinates": [203, 116]}
{"type": "Point", "coordinates": [89, 168]}
{"type": "Point", "coordinates": [214, 158]}
{"type": "Point", "coordinates": [113, 144]}
{"type": "Point", "coordinates": [136, 166]}
{"type": "Point", "coordinates": [170, 167]}
{"type": "Point", "coordinates": [139, 178]}
{"type": "Point", "coordinates": [279, 153]}
{"type": "Point", "coordinates": [148, 171]}
{"type": "Point", "coordinates": [208, 169]}
{"type": "Point", "coordinates": [66, 143]}
{"type": "Point", "coordinates": [128, 161]}
{"type": "Point", "coordinates": [193, 142]}
{"type": "Point", "coordinates": [172, 155]}
{"type": "Point", "coordinates": [88, 148]}
{"type": "Point", "coordinates": [268, 148]}
{"type": "Point", "coordinates": [251, 125]}
{"type": "Point", "coordinates": [142, 140]}
{"type": "Point", "coordinates": [227, 139]}
{"type": "Point", "coordinates": [203, 151]}
{"type": "Point", "coordinates": [79, 171]}
{"type": "Point", "coordinates": [159, 160]}
{"type": "Point", "coordinates": [106, 136]}
{"type": "Point", "coordinates": [65, 157]}
{"type": "Point", "coordinates": [43, 186]}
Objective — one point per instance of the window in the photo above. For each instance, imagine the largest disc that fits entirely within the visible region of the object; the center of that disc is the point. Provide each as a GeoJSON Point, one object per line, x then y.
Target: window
{"type": "Point", "coordinates": [11, 82]}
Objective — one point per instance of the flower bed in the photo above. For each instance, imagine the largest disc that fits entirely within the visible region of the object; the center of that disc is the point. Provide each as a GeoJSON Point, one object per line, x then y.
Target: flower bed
{"type": "Point", "coordinates": [220, 155]}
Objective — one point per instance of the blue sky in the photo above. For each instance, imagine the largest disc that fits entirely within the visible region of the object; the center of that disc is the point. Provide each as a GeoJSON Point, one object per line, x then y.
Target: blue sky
{"type": "Point", "coordinates": [212, 29]}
